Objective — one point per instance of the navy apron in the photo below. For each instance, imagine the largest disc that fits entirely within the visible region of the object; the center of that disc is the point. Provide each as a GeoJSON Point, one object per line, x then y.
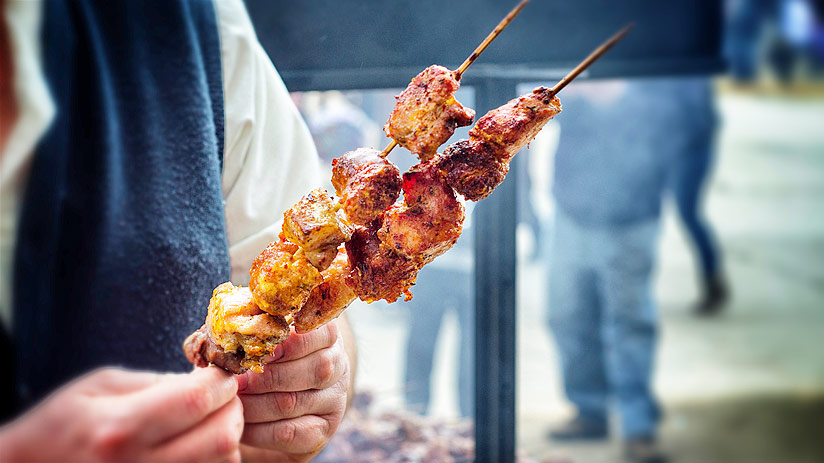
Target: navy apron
{"type": "Point", "coordinates": [122, 234]}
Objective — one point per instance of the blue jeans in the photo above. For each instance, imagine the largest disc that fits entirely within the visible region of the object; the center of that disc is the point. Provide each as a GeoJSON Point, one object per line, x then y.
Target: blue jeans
{"type": "Point", "coordinates": [689, 175]}
{"type": "Point", "coordinates": [437, 291]}
{"type": "Point", "coordinates": [603, 318]}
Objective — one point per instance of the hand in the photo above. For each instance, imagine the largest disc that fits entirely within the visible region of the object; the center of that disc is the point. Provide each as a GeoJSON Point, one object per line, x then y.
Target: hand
{"type": "Point", "coordinates": [294, 407]}
{"type": "Point", "coordinates": [119, 415]}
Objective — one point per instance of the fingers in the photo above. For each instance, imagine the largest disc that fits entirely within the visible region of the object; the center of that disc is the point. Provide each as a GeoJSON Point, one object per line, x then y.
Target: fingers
{"type": "Point", "coordinates": [317, 370]}
{"type": "Point", "coordinates": [274, 406]}
{"type": "Point", "coordinates": [216, 439]}
{"type": "Point", "coordinates": [106, 381]}
{"type": "Point", "coordinates": [303, 435]}
{"type": "Point", "coordinates": [175, 404]}
{"type": "Point", "coordinates": [300, 345]}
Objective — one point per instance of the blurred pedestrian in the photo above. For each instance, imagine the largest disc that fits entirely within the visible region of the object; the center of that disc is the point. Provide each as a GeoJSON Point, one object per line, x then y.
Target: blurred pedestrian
{"type": "Point", "coordinates": [611, 168]}
{"type": "Point", "coordinates": [693, 154]}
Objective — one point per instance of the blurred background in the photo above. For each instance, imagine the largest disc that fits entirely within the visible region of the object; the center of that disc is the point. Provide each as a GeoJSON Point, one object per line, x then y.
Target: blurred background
{"type": "Point", "coordinates": [736, 161]}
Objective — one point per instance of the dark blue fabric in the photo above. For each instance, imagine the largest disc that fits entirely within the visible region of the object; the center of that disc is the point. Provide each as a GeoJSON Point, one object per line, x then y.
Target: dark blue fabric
{"type": "Point", "coordinates": [122, 234]}
{"type": "Point", "coordinates": [690, 171]}
{"type": "Point", "coordinates": [614, 157]}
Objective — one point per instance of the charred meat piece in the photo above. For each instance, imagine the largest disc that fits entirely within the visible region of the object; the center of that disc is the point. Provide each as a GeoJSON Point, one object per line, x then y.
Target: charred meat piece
{"type": "Point", "coordinates": [510, 127]}
{"type": "Point", "coordinates": [201, 351]}
{"type": "Point", "coordinates": [472, 168]}
{"type": "Point", "coordinates": [427, 113]}
{"type": "Point", "coordinates": [428, 221]}
{"type": "Point", "coordinates": [313, 224]}
{"type": "Point", "coordinates": [239, 333]}
{"type": "Point", "coordinates": [377, 272]}
{"type": "Point", "coordinates": [328, 299]}
{"type": "Point", "coordinates": [282, 278]}
{"type": "Point", "coordinates": [366, 183]}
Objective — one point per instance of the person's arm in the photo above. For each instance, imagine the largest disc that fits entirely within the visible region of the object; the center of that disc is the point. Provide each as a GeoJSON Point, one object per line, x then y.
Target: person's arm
{"type": "Point", "coordinates": [118, 415]}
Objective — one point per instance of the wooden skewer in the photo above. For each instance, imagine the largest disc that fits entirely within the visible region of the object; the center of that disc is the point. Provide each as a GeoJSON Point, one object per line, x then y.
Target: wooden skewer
{"type": "Point", "coordinates": [475, 54]}
{"type": "Point", "coordinates": [590, 59]}
{"type": "Point", "coordinates": [489, 38]}
{"type": "Point", "coordinates": [392, 144]}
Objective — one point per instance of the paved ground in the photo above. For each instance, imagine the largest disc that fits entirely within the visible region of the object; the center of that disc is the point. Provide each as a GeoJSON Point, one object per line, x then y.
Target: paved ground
{"type": "Point", "coordinates": [746, 386]}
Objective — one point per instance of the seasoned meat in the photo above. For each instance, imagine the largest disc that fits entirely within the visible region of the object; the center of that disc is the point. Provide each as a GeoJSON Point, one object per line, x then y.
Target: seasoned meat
{"type": "Point", "coordinates": [239, 333]}
{"type": "Point", "coordinates": [328, 299]}
{"type": "Point", "coordinates": [313, 224]}
{"type": "Point", "coordinates": [427, 113]}
{"type": "Point", "coordinates": [428, 222]}
{"type": "Point", "coordinates": [366, 183]}
{"type": "Point", "coordinates": [282, 278]}
{"type": "Point", "coordinates": [377, 272]}
{"type": "Point", "coordinates": [201, 351]}
{"type": "Point", "coordinates": [511, 126]}
{"type": "Point", "coordinates": [472, 168]}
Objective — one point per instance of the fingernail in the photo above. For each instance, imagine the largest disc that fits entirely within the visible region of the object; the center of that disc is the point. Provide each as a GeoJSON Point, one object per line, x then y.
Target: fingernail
{"type": "Point", "coordinates": [242, 382]}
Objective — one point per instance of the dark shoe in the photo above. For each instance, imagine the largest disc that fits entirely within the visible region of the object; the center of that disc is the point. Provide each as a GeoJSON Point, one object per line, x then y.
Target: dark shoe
{"type": "Point", "coordinates": [643, 450]}
{"type": "Point", "coordinates": [716, 295]}
{"type": "Point", "coordinates": [580, 428]}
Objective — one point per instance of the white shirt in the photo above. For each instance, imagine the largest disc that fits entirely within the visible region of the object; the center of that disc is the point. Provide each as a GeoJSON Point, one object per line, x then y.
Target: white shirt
{"type": "Point", "coordinates": [269, 159]}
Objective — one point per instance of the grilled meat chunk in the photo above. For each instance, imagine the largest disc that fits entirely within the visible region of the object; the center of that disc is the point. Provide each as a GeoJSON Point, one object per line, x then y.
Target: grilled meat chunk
{"type": "Point", "coordinates": [313, 224]}
{"type": "Point", "coordinates": [282, 278]}
{"type": "Point", "coordinates": [472, 168]}
{"type": "Point", "coordinates": [201, 351]}
{"type": "Point", "coordinates": [428, 222]}
{"type": "Point", "coordinates": [377, 272]}
{"type": "Point", "coordinates": [511, 126]}
{"type": "Point", "coordinates": [237, 327]}
{"type": "Point", "coordinates": [328, 299]}
{"type": "Point", "coordinates": [366, 183]}
{"type": "Point", "coordinates": [427, 113]}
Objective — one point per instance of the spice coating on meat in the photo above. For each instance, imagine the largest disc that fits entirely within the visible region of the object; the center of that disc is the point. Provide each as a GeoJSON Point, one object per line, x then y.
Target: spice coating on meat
{"type": "Point", "coordinates": [313, 224]}
{"type": "Point", "coordinates": [237, 326]}
{"type": "Point", "coordinates": [512, 126]}
{"type": "Point", "coordinates": [428, 221]}
{"type": "Point", "coordinates": [281, 278]}
{"type": "Point", "coordinates": [377, 272]}
{"type": "Point", "coordinates": [366, 183]}
{"type": "Point", "coordinates": [427, 113]}
{"type": "Point", "coordinates": [472, 168]}
{"type": "Point", "coordinates": [201, 351]}
{"type": "Point", "coordinates": [328, 299]}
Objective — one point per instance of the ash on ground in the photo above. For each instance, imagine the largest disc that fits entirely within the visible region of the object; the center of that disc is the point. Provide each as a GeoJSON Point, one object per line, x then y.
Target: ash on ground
{"type": "Point", "coordinates": [367, 435]}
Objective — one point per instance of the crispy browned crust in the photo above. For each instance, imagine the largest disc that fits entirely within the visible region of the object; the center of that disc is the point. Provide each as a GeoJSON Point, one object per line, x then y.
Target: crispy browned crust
{"type": "Point", "coordinates": [377, 272]}
{"type": "Point", "coordinates": [201, 351]}
{"type": "Point", "coordinates": [366, 183]}
{"type": "Point", "coordinates": [428, 222]}
{"type": "Point", "coordinates": [328, 300]}
{"type": "Point", "coordinates": [282, 278]}
{"type": "Point", "coordinates": [472, 168]}
{"type": "Point", "coordinates": [512, 126]}
{"type": "Point", "coordinates": [313, 224]}
{"type": "Point", "coordinates": [427, 113]}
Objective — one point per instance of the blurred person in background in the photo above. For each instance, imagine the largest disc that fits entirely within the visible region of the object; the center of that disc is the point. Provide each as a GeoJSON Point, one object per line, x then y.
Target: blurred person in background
{"type": "Point", "coordinates": [785, 30]}
{"type": "Point", "coordinates": [443, 286]}
{"type": "Point", "coordinates": [611, 169]}
{"type": "Point", "coordinates": [692, 164]}
{"type": "Point", "coordinates": [148, 152]}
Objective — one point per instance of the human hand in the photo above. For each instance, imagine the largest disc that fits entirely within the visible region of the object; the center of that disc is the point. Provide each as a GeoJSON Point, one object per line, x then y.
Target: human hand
{"type": "Point", "coordinates": [294, 407]}
{"type": "Point", "coordinates": [119, 415]}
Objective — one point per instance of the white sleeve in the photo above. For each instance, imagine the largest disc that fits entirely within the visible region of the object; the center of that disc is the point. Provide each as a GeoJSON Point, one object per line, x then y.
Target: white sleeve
{"type": "Point", "coordinates": [269, 158]}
